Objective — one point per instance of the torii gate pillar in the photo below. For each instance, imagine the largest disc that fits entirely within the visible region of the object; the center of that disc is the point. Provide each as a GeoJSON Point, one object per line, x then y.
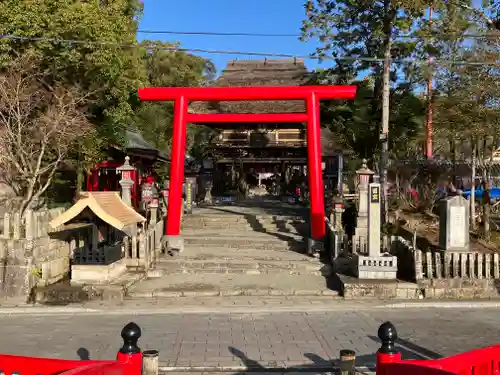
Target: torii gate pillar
{"type": "Point", "coordinates": [183, 95]}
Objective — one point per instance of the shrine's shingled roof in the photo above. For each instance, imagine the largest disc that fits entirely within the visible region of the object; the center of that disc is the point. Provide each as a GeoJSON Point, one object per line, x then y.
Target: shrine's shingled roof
{"type": "Point", "coordinates": [285, 72]}
{"type": "Point", "coordinates": [107, 205]}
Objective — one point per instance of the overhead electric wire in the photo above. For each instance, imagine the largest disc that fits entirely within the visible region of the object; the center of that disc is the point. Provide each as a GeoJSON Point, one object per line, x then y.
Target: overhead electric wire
{"type": "Point", "coordinates": [237, 53]}
{"type": "Point", "coordinates": [271, 35]}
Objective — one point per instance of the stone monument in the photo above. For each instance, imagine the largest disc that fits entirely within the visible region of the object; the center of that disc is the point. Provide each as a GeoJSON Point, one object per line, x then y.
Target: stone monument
{"type": "Point", "coordinates": [364, 174]}
{"type": "Point", "coordinates": [374, 219]}
{"type": "Point", "coordinates": [454, 224]}
{"type": "Point", "coordinates": [375, 265]}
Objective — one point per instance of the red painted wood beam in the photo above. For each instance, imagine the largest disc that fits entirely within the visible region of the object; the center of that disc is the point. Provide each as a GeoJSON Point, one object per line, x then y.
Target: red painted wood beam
{"type": "Point", "coordinates": [246, 118]}
{"type": "Point", "coordinates": [246, 93]}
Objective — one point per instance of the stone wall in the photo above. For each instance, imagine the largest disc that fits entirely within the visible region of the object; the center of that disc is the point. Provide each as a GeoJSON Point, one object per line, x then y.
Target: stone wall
{"type": "Point", "coordinates": [29, 255]}
{"type": "Point", "coordinates": [449, 274]}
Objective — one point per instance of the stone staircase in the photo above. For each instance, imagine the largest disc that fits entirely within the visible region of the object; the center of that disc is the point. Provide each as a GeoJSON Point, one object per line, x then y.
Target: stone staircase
{"type": "Point", "coordinates": [235, 251]}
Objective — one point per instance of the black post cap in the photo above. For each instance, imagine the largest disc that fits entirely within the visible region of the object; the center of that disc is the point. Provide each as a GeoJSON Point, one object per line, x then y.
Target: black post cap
{"type": "Point", "coordinates": [130, 335]}
{"type": "Point", "coordinates": [388, 335]}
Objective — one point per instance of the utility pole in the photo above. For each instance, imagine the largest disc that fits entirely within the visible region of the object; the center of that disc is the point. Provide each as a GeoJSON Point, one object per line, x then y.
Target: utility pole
{"type": "Point", "coordinates": [428, 120]}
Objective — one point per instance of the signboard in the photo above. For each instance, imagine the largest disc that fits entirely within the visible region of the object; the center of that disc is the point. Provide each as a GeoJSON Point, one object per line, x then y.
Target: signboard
{"type": "Point", "coordinates": [374, 194]}
{"type": "Point", "coordinates": [147, 192]}
{"type": "Point", "coordinates": [189, 198]}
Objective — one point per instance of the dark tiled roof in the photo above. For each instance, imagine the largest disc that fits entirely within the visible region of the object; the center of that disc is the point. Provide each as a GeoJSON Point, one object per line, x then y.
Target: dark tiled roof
{"type": "Point", "coordinates": [289, 72]}
{"type": "Point", "coordinates": [135, 140]}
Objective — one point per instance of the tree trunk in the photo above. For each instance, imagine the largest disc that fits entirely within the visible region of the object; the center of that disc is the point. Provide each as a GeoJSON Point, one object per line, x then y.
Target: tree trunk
{"type": "Point", "coordinates": [453, 148]}
{"type": "Point", "coordinates": [486, 220]}
{"type": "Point", "coordinates": [473, 187]}
{"type": "Point", "coordinates": [80, 178]}
{"type": "Point", "coordinates": [385, 126]}
{"type": "Point", "coordinates": [386, 92]}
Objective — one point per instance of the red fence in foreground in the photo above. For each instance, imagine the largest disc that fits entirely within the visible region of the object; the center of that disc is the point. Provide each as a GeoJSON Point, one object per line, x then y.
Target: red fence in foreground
{"type": "Point", "coordinates": [129, 360]}
{"type": "Point", "coordinates": [485, 361]}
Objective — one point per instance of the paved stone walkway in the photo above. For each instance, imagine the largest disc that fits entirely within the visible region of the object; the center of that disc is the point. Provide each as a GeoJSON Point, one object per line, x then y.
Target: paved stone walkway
{"type": "Point", "coordinates": [255, 340]}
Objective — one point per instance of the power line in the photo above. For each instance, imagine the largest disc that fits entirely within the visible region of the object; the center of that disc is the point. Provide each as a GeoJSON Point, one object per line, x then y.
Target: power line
{"type": "Point", "coordinates": [234, 53]}
{"type": "Point", "coordinates": [215, 33]}
{"type": "Point", "coordinates": [270, 35]}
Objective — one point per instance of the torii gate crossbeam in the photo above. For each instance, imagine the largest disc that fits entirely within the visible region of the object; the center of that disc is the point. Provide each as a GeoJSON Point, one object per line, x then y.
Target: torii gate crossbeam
{"type": "Point", "coordinates": [310, 94]}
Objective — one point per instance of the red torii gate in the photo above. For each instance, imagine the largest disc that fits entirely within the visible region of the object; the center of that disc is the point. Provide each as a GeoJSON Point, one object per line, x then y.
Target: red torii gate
{"type": "Point", "coordinates": [310, 94]}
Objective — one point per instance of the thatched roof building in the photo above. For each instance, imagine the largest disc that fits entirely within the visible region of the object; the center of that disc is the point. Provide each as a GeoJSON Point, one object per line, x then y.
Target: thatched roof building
{"type": "Point", "coordinates": [286, 72]}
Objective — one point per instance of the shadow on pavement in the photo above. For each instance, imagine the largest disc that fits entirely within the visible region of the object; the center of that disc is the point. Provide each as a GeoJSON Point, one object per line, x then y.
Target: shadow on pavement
{"type": "Point", "coordinates": [319, 364]}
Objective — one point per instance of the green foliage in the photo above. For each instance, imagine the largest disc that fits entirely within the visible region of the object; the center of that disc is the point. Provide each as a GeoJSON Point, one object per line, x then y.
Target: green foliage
{"type": "Point", "coordinates": [109, 72]}
{"type": "Point", "coordinates": [360, 29]}
{"type": "Point", "coordinates": [364, 29]}
{"type": "Point", "coordinates": [166, 67]}
{"type": "Point", "coordinates": [358, 127]}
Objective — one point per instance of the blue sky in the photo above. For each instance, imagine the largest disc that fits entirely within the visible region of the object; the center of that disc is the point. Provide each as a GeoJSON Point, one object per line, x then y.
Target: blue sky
{"type": "Point", "coordinates": [257, 16]}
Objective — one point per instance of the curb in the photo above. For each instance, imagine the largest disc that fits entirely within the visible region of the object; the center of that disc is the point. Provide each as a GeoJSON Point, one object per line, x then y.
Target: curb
{"type": "Point", "coordinates": [441, 305]}
{"type": "Point", "coordinates": [248, 369]}
{"type": "Point", "coordinates": [173, 310]}
{"type": "Point", "coordinates": [236, 293]}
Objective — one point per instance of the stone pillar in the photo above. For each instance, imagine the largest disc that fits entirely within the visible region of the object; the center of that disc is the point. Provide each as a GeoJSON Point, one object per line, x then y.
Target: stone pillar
{"type": "Point", "coordinates": [153, 208]}
{"type": "Point", "coordinates": [364, 174]}
{"type": "Point", "coordinates": [374, 218]}
{"type": "Point", "coordinates": [126, 182]}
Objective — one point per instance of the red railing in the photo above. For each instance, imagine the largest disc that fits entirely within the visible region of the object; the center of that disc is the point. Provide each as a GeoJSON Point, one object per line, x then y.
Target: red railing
{"type": "Point", "coordinates": [128, 361]}
{"type": "Point", "coordinates": [485, 361]}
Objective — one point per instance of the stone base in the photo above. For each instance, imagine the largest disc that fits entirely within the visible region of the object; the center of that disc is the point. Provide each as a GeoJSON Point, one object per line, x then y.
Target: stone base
{"type": "Point", "coordinates": [97, 274]}
{"type": "Point", "coordinates": [353, 288]}
{"type": "Point", "coordinates": [460, 289]}
{"type": "Point", "coordinates": [315, 247]}
{"type": "Point", "coordinates": [379, 267]}
{"type": "Point", "coordinates": [172, 244]}
{"type": "Point", "coordinates": [65, 293]}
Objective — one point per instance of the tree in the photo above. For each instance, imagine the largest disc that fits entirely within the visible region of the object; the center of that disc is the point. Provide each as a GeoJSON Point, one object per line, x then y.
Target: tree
{"type": "Point", "coordinates": [357, 127]}
{"type": "Point", "coordinates": [468, 106]}
{"type": "Point", "coordinates": [96, 62]}
{"type": "Point", "coordinates": [168, 67]}
{"type": "Point", "coordinates": [39, 124]}
{"type": "Point", "coordinates": [365, 30]}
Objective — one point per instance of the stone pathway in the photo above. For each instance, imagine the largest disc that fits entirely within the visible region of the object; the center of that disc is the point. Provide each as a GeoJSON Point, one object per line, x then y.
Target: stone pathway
{"type": "Point", "coordinates": [296, 340]}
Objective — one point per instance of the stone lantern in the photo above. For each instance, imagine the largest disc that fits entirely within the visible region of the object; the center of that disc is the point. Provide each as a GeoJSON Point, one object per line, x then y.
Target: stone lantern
{"type": "Point", "coordinates": [126, 181]}
{"type": "Point", "coordinates": [338, 210]}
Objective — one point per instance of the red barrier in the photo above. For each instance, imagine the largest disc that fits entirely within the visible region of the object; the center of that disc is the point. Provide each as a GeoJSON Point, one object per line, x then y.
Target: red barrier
{"type": "Point", "coordinates": [128, 361]}
{"type": "Point", "coordinates": [485, 361]}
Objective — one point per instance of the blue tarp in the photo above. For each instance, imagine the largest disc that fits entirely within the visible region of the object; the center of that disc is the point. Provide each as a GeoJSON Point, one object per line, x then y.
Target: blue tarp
{"type": "Point", "coordinates": [494, 193]}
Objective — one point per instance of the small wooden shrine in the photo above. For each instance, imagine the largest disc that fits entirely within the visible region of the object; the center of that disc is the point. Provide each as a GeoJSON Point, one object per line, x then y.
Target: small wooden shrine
{"type": "Point", "coordinates": [106, 221]}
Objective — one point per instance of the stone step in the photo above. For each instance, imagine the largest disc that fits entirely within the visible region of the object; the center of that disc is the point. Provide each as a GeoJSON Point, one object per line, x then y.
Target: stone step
{"type": "Point", "coordinates": [248, 228]}
{"type": "Point", "coordinates": [206, 285]}
{"type": "Point", "coordinates": [249, 267]}
{"type": "Point", "coordinates": [216, 254]}
{"type": "Point", "coordinates": [220, 227]}
{"type": "Point", "coordinates": [249, 235]}
{"type": "Point", "coordinates": [281, 217]}
{"type": "Point", "coordinates": [243, 244]}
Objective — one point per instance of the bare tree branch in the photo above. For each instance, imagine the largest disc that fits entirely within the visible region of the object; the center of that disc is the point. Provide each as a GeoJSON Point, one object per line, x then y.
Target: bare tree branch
{"type": "Point", "coordinates": [39, 124]}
